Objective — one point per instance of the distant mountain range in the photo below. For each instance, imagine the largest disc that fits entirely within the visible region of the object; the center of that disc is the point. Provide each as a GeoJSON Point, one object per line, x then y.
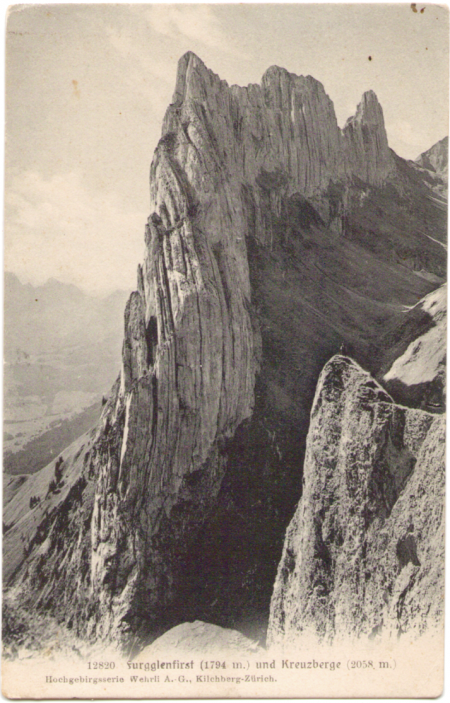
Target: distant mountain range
{"type": "Point", "coordinates": [62, 352]}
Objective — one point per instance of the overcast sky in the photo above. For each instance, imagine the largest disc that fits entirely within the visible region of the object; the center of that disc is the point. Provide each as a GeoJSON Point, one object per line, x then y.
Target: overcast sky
{"type": "Point", "coordinates": [87, 87]}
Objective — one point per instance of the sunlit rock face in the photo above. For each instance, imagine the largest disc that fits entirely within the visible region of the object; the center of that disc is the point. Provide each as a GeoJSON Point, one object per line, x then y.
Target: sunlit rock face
{"type": "Point", "coordinates": [274, 238]}
{"type": "Point", "coordinates": [191, 350]}
{"type": "Point", "coordinates": [364, 552]}
{"type": "Point", "coordinates": [435, 159]}
{"type": "Point", "coordinates": [366, 143]}
{"type": "Point", "coordinates": [415, 369]}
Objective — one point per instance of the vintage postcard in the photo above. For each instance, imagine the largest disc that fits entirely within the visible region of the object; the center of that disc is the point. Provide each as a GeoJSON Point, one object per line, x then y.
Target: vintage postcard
{"type": "Point", "coordinates": [225, 348]}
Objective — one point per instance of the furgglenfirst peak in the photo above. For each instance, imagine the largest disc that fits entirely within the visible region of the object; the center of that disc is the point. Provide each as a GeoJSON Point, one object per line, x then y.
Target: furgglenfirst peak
{"type": "Point", "coordinates": [283, 294]}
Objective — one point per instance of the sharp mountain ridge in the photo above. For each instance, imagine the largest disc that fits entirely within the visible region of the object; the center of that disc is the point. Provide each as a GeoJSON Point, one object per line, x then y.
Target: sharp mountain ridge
{"type": "Point", "coordinates": [275, 238]}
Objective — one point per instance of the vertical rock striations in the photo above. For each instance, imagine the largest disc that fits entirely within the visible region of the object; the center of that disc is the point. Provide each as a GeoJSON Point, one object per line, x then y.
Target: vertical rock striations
{"type": "Point", "coordinates": [364, 553]}
{"type": "Point", "coordinates": [191, 350]}
{"type": "Point", "coordinates": [367, 151]}
{"type": "Point", "coordinates": [262, 210]}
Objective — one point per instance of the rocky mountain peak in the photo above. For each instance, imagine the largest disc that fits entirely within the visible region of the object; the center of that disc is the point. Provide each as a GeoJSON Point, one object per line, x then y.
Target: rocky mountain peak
{"type": "Point", "coordinates": [275, 72]}
{"type": "Point", "coordinates": [369, 110]}
{"type": "Point", "coordinates": [194, 79]}
{"type": "Point", "coordinates": [280, 136]}
{"type": "Point", "coordinates": [265, 252]}
{"type": "Point", "coordinates": [276, 75]}
{"type": "Point", "coordinates": [435, 159]}
{"type": "Point", "coordinates": [367, 149]}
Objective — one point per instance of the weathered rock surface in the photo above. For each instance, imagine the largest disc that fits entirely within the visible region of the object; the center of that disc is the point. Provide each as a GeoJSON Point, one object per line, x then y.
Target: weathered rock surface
{"type": "Point", "coordinates": [364, 553]}
{"type": "Point", "coordinates": [433, 167]}
{"type": "Point", "coordinates": [417, 376]}
{"type": "Point", "coordinates": [274, 237]}
{"type": "Point", "coordinates": [367, 147]}
{"type": "Point", "coordinates": [197, 638]}
{"type": "Point", "coordinates": [436, 158]}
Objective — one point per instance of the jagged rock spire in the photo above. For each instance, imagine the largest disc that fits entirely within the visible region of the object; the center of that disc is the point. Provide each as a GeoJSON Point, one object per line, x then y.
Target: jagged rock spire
{"type": "Point", "coordinates": [367, 150]}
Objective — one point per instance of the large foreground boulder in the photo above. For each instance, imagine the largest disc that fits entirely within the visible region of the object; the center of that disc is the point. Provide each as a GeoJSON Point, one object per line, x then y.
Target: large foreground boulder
{"type": "Point", "coordinates": [198, 638]}
{"type": "Point", "coordinates": [364, 553]}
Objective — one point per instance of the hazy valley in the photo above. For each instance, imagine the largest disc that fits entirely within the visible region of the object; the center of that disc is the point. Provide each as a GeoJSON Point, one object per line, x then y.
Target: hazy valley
{"type": "Point", "coordinates": [62, 349]}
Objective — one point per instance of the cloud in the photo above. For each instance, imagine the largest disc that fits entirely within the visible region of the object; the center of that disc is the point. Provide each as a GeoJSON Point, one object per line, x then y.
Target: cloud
{"type": "Point", "coordinates": [56, 227]}
{"type": "Point", "coordinates": [196, 23]}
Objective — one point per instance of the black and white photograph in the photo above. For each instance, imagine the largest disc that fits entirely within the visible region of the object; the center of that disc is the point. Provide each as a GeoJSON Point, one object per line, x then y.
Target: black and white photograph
{"type": "Point", "coordinates": [225, 336]}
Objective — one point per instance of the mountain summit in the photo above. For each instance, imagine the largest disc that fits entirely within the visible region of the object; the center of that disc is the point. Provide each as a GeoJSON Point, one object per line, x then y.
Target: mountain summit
{"type": "Point", "coordinates": [287, 123]}
{"type": "Point", "coordinates": [274, 239]}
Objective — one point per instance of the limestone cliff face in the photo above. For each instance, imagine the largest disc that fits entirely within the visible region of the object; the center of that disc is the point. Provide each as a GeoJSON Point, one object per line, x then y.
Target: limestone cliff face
{"type": "Point", "coordinates": [191, 349]}
{"type": "Point", "coordinates": [262, 212]}
{"type": "Point", "coordinates": [435, 159]}
{"type": "Point", "coordinates": [367, 147]}
{"type": "Point", "coordinates": [269, 140]}
{"type": "Point", "coordinates": [363, 555]}
{"type": "Point", "coordinates": [415, 369]}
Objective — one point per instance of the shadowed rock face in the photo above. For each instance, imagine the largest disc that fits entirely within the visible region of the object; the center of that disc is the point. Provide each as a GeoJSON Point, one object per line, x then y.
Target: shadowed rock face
{"type": "Point", "coordinates": [364, 553]}
{"type": "Point", "coordinates": [263, 211]}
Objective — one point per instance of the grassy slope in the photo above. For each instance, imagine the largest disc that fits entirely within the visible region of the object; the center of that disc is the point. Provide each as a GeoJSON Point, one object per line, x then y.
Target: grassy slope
{"type": "Point", "coordinates": [23, 521]}
{"type": "Point", "coordinates": [40, 451]}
